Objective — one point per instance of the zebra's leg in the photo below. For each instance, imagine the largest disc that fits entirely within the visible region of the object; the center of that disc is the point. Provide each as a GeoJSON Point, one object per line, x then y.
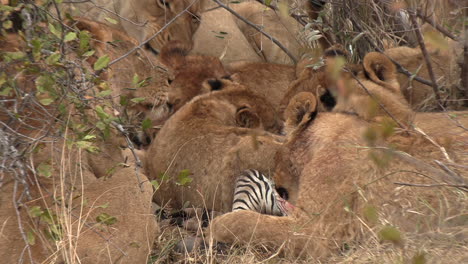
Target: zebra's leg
{"type": "Point", "coordinates": [289, 234]}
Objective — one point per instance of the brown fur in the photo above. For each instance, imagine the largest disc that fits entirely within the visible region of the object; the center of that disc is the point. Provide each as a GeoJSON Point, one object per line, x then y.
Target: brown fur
{"type": "Point", "coordinates": [245, 43]}
{"type": "Point", "coordinates": [267, 79]}
{"type": "Point", "coordinates": [143, 18]}
{"type": "Point", "coordinates": [334, 170]}
{"type": "Point", "coordinates": [420, 96]}
{"type": "Point", "coordinates": [114, 43]}
{"type": "Point", "coordinates": [190, 73]}
{"type": "Point", "coordinates": [80, 181]}
{"type": "Point", "coordinates": [214, 137]}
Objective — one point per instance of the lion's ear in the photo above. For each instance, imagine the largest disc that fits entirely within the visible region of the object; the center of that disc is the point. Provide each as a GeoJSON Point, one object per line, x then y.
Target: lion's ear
{"type": "Point", "coordinates": [302, 109]}
{"type": "Point", "coordinates": [245, 117]}
{"type": "Point", "coordinates": [173, 54]}
{"type": "Point", "coordinates": [381, 70]}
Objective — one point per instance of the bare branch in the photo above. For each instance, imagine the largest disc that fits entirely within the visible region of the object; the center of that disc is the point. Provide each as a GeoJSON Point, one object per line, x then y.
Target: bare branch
{"type": "Point", "coordinates": [436, 26]}
{"type": "Point", "coordinates": [294, 59]}
{"type": "Point", "coordinates": [400, 68]}
{"type": "Point", "coordinates": [124, 132]}
{"type": "Point", "coordinates": [420, 38]}
{"type": "Point", "coordinates": [461, 187]}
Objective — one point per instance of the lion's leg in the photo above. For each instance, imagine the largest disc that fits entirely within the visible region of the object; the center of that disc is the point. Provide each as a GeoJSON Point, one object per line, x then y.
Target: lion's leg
{"type": "Point", "coordinates": [282, 233]}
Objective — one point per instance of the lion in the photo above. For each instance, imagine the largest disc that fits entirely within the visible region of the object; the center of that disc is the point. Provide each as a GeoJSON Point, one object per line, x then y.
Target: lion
{"type": "Point", "coordinates": [143, 19]}
{"type": "Point", "coordinates": [200, 150]}
{"type": "Point", "coordinates": [192, 74]}
{"type": "Point", "coordinates": [341, 170]}
{"type": "Point", "coordinates": [227, 37]}
{"type": "Point", "coordinates": [138, 82]}
{"type": "Point", "coordinates": [444, 64]}
{"type": "Point", "coordinates": [61, 177]}
{"type": "Point", "coordinates": [197, 74]}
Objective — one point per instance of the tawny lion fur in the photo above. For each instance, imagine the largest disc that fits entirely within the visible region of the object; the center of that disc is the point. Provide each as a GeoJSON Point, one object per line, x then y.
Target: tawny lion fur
{"type": "Point", "coordinates": [340, 164]}
{"type": "Point", "coordinates": [142, 19]}
{"type": "Point", "coordinates": [242, 42]}
{"type": "Point", "coordinates": [444, 64]}
{"type": "Point", "coordinates": [214, 137]}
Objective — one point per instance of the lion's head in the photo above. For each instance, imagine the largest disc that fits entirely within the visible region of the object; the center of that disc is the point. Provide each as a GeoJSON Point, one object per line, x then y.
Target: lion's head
{"type": "Point", "coordinates": [371, 91]}
{"type": "Point", "coordinates": [143, 18]}
{"type": "Point", "coordinates": [193, 74]}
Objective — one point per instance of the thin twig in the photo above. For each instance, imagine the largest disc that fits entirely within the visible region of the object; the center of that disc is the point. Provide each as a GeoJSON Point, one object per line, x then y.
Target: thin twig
{"type": "Point", "coordinates": [442, 149]}
{"type": "Point", "coordinates": [436, 26]}
{"type": "Point", "coordinates": [20, 224]}
{"type": "Point", "coordinates": [294, 59]}
{"type": "Point", "coordinates": [430, 70]}
{"type": "Point", "coordinates": [124, 132]}
{"type": "Point", "coordinates": [400, 67]}
{"type": "Point", "coordinates": [378, 102]}
{"type": "Point", "coordinates": [461, 187]}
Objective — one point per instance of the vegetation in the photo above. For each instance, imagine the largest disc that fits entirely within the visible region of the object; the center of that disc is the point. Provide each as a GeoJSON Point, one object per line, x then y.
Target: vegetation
{"type": "Point", "coordinates": [58, 112]}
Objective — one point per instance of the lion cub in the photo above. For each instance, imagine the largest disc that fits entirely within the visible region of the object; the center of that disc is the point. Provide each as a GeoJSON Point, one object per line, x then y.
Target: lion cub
{"type": "Point", "coordinates": [208, 142]}
{"type": "Point", "coordinates": [352, 176]}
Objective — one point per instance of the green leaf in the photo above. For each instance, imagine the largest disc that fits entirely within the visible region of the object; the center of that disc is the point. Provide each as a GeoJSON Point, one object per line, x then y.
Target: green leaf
{"type": "Point", "coordinates": [31, 238]}
{"type": "Point", "coordinates": [106, 219]}
{"type": "Point", "coordinates": [101, 63]}
{"type": "Point", "coordinates": [101, 125]}
{"type": "Point", "coordinates": [155, 184]}
{"type": "Point", "coordinates": [267, 2]}
{"type": "Point", "coordinates": [101, 113]}
{"type": "Point", "coordinates": [135, 79]}
{"type": "Point", "coordinates": [390, 233]}
{"type": "Point", "coordinates": [58, 1]}
{"type": "Point", "coordinates": [35, 211]}
{"type": "Point", "coordinates": [104, 206]}
{"type": "Point", "coordinates": [3, 78]}
{"type": "Point", "coordinates": [7, 24]}
{"type": "Point", "coordinates": [135, 245]}
{"type": "Point", "coordinates": [16, 55]}
{"type": "Point", "coordinates": [87, 146]}
{"type": "Point", "coordinates": [44, 170]}
{"type": "Point", "coordinates": [104, 93]}
{"type": "Point", "coordinates": [419, 258]}
{"type": "Point", "coordinates": [53, 59]}
{"type": "Point", "coordinates": [146, 124]}
{"type": "Point", "coordinates": [70, 36]}
{"type": "Point", "coordinates": [46, 101]}
{"type": "Point", "coordinates": [371, 214]}
{"type": "Point", "coordinates": [55, 31]}
{"type": "Point", "coordinates": [110, 20]}
{"type": "Point", "coordinates": [44, 83]}
{"type": "Point", "coordinates": [37, 46]}
{"type": "Point", "coordinates": [84, 37]}
{"type": "Point", "coordinates": [137, 100]}
{"type": "Point", "coordinates": [183, 178]}
{"type": "Point", "coordinates": [89, 137]}
{"type": "Point", "coordinates": [123, 100]}
{"type": "Point", "coordinates": [89, 53]}
{"type": "Point", "coordinates": [6, 91]}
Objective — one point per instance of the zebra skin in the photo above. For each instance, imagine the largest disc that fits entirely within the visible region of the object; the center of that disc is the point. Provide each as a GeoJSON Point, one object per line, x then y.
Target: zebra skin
{"type": "Point", "coordinates": [255, 192]}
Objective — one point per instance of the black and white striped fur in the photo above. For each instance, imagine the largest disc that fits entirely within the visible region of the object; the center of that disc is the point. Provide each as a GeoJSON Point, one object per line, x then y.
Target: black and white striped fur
{"type": "Point", "coordinates": [255, 192]}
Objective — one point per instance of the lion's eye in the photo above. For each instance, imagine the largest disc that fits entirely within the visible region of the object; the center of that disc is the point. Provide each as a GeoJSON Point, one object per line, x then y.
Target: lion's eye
{"type": "Point", "coordinates": [164, 3]}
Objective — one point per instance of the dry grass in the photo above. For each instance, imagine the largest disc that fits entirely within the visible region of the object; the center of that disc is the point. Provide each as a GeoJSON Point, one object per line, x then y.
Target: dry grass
{"type": "Point", "coordinates": [446, 242]}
